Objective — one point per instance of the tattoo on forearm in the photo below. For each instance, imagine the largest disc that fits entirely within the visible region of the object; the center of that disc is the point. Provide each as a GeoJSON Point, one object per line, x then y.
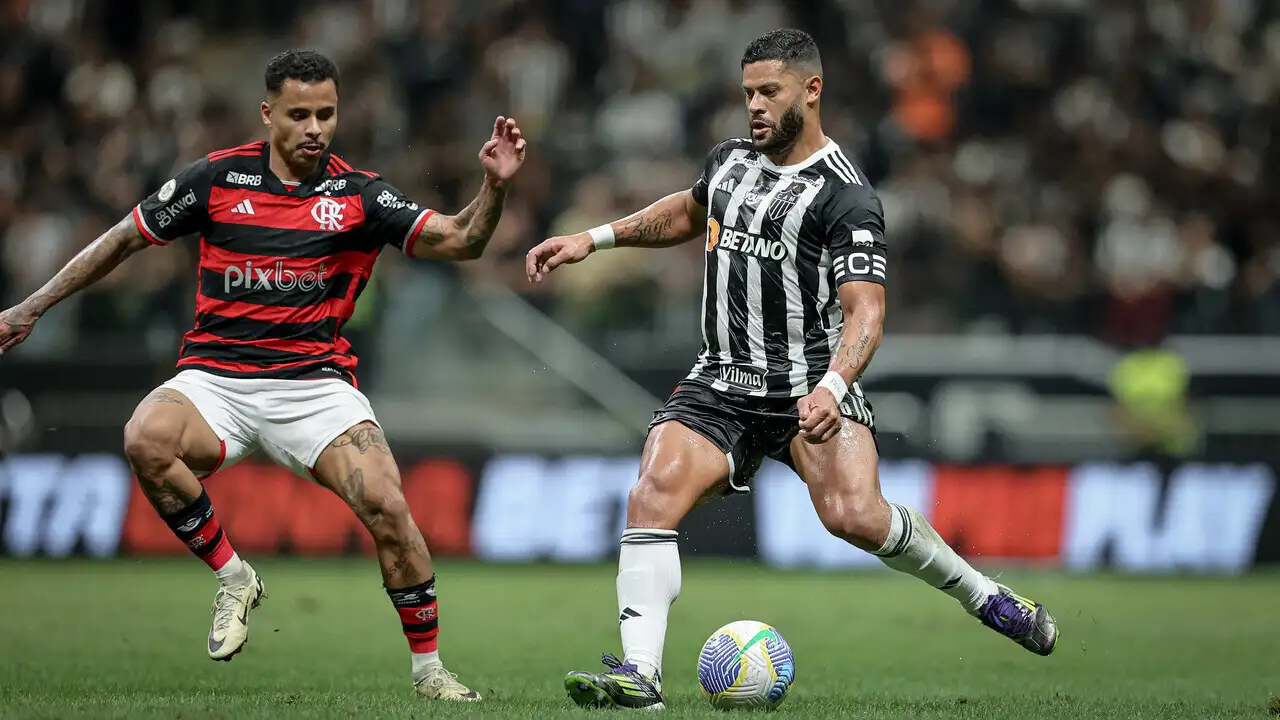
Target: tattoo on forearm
{"type": "Point", "coordinates": [91, 264]}
{"type": "Point", "coordinates": [364, 439]}
{"type": "Point", "coordinates": [647, 228]}
{"type": "Point", "coordinates": [163, 397]}
{"type": "Point", "coordinates": [857, 356]}
{"type": "Point", "coordinates": [486, 213]}
{"type": "Point", "coordinates": [478, 221]}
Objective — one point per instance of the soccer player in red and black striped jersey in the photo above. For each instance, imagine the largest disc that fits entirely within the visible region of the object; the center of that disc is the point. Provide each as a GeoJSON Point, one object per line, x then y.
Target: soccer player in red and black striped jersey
{"type": "Point", "coordinates": [288, 235]}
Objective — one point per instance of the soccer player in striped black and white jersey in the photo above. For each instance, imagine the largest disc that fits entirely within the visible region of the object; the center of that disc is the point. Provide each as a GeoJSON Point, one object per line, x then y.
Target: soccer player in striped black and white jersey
{"type": "Point", "coordinates": [289, 233]}
{"type": "Point", "coordinates": [792, 311]}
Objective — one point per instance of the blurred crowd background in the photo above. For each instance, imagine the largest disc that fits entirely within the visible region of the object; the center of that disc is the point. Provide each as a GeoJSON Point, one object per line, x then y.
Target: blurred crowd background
{"type": "Point", "coordinates": [1096, 167]}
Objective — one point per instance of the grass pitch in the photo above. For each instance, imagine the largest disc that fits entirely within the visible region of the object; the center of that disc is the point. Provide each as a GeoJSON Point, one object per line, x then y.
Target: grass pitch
{"type": "Point", "coordinates": [125, 639]}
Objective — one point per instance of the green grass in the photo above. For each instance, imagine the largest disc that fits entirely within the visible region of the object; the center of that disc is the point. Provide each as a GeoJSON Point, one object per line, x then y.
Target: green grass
{"type": "Point", "coordinates": [126, 639]}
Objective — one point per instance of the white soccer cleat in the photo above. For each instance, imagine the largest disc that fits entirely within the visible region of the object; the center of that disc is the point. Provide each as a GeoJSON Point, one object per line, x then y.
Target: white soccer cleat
{"type": "Point", "coordinates": [231, 608]}
{"type": "Point", "coordinates": [440, 684]}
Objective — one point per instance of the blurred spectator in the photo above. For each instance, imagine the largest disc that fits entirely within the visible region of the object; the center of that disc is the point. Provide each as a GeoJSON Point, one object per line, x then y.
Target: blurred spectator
{"type": "Point", "coordinates": [534, 68]}
{"type": "Point", "coordinates": [925, 69]}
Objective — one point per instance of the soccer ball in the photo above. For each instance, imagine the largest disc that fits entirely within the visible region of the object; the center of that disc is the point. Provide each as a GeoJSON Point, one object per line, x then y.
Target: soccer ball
{"type": "Point", "coordinates": [745, 665]}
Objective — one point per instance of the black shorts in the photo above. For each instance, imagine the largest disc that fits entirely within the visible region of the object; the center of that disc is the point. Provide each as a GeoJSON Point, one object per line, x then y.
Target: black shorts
{"type": "Point", "coordinates": [748, 429]}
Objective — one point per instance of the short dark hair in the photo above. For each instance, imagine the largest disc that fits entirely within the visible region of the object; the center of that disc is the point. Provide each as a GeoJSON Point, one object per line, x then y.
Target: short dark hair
{"type": "Point", "coordinates": [791, 46]}
{"type": "Point", "coordinates": [306, 66]}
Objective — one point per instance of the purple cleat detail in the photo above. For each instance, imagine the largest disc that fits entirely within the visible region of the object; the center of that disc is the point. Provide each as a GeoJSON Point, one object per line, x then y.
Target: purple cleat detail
{"type": "Point", "coordinates": [1024, 621]}
{"type": "Point", "coordinates": [621, 686]}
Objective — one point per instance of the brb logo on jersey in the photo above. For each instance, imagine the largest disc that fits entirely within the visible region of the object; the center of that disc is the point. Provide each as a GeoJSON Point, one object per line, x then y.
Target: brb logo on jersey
{"type": "Point", "coordinates": [327, 213]}
{"type": "Point", "coordinates": [272, 278]}
{"type": "Point", "coordinates": [331, 185]}
{"type": "Point", "coordinates": [238, 178]}
{"type": "Point", "coordinates": [743, 242]}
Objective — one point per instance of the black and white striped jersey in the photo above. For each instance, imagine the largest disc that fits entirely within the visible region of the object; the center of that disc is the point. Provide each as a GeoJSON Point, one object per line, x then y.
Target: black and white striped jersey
{"type": "Point", "coordinates": [779, 241]}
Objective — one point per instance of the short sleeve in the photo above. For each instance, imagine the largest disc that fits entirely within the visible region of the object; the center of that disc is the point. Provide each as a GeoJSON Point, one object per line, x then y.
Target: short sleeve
{"type": "Point", "coordinates": [714, 160]}
{"type": "Point", "coordinates": [180, 207]}
{"type": "Point", "coordinates": [392, 217]}
{"type": "Point", "coordinates": [853, 220]}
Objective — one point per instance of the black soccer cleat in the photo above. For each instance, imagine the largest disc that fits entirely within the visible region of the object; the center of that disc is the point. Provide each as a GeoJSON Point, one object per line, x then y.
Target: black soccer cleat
{"type": "Point", "coordinates": [621, 686]}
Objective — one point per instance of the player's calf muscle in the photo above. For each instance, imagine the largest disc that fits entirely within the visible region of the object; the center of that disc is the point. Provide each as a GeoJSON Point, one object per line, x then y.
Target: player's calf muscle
{"type": "Point", "coordinates": [402, 552]}
{"type": "Point", "coordinates": [359, 468]}
{"type": "Point", "coordinates": [405, 564]}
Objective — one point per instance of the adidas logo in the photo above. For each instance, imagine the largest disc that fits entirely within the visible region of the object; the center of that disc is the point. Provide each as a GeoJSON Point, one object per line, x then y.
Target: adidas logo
{"type": "Point", "coordinates": [244, 208]}
{"type": "Point", "coordinates": [627, 614]}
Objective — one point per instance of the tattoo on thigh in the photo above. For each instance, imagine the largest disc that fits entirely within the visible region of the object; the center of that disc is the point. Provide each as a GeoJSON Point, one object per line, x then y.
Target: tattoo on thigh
{"type": "Point", "coordinates": [364, 439]}
{"type": "Point", "coordinates": [167, 498]}
{"type": "Point", "coordinates": [163, 397]}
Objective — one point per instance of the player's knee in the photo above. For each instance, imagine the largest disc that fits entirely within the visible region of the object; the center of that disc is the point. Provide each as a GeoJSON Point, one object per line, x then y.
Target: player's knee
{"type": "Point", "coordinates": [151, 445]}
{"type": "Point", "coordinates": [652, 502]}
{"type": "Point", "coordinates": [384, 511]}
{"type": "Point", "coordinates": [856, 518]}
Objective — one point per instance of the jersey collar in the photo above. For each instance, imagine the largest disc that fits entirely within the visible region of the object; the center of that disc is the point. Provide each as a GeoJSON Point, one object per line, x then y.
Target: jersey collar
{"type": "Point", "coordinates": [820, 153]}
{"type": "Point", "coordinates": [276, 185]}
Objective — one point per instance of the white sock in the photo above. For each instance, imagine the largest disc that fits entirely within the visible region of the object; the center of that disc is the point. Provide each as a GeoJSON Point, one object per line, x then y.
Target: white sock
{"type": "Point", "coordinates": [422, 662]}
{"type": "Point", "coordinates": [648, 582]}
{"type": "Point", "coordinates": [235, 573]}
{"type": "Point", "coordinates": [915, 548]}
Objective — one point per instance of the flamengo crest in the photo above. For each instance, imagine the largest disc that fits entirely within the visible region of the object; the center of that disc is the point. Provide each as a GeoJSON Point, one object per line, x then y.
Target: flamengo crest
{"type": "Point", "coordinates": [327, 212]}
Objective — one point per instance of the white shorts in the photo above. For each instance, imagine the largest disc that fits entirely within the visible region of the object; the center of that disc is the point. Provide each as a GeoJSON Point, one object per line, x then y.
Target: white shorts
{"type": "Point", "coordinates": [293, 421]}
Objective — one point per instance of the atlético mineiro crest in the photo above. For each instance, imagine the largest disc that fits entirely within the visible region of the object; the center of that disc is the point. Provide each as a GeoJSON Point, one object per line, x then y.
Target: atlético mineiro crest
{"type": "Point", "coordinates": [785, 200]}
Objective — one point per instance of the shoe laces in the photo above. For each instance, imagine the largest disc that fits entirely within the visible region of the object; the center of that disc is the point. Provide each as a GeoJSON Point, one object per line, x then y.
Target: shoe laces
{"type": "Point", "coordinates": [437, 678]}
{"type": "Point", "coordinates": [619, 667]}
{"type": "Point", "coordinates": [612, 662]}
{"type": "Point", "coordinates": [224, 609]}
{"type": "Point", "coordinates": [1005, 613]}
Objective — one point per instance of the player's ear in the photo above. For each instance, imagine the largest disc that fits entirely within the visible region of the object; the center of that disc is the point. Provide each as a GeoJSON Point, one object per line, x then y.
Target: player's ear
{"type": "Point", "coordinates": [266, 114]}
{"type": "Point", "coordinates": [813, 88]}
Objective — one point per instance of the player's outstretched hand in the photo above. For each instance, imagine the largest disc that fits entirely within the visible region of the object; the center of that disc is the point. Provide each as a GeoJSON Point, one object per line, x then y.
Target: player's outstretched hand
{"type": "Point", "coordinates": [819, 416]}
{"type": "Point", "coordinates": [15, 325]}
{"type": "Point", "coordinates": [503, 155]}
{"type": "Point", "coordinates": [554, 252]}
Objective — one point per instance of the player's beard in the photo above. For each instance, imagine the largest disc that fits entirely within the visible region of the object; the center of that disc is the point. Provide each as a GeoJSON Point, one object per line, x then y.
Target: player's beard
{"type": "Point", "coordinates": [785, 133]}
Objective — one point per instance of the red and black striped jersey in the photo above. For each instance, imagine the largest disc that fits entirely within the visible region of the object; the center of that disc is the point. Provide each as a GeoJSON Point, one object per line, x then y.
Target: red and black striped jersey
{"type": "Point", "coordinates": [281, 265]}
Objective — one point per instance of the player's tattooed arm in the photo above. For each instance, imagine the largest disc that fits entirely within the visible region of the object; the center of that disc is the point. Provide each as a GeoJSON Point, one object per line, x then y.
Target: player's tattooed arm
{"type": "Point", "coordinates": [465, 235]}
{"type": "Point", "coordinates": [673, 220]}
{"type": "Point", "coordinates": [863, 304]}
{"type": "Point", "coordinates": [90, 265]}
